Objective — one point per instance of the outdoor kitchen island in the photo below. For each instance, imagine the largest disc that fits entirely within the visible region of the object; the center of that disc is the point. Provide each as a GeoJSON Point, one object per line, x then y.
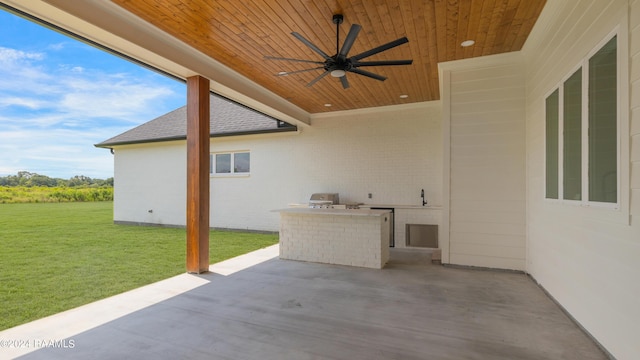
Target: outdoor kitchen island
{"type": "Point", "coordinates": [354, 237]}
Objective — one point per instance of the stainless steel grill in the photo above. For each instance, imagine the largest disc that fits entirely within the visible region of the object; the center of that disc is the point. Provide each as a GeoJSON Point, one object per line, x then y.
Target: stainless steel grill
{"type": "Point", "coordinates": [330, 201]}
{"type": "Point", "coordinates": [323, 200]}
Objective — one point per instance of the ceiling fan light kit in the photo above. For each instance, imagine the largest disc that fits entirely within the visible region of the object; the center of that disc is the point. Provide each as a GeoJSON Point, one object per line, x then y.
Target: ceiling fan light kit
{"type": "Point", "coordinates": [339, 64]}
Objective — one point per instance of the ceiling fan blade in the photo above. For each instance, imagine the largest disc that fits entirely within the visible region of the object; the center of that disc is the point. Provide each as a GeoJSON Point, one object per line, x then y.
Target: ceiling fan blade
{"type": "Point", "coordinates": [382, 63]}
{"type": "Point", "coordinates": [368, 74]}
{"type": "Point", "coordinates": [318, 78]}
{"type": "Point", "coordinates": [381, 48]}
{"type": "Point", "coordinates": [344, 81]}
{"type": "Point", "coordinates": [285, 73]}
{"type": "Point", "coordinates": [348, 42]}
{"type": "Point", "coordinates": [310, 45]}
{"type": "Point", "coordinates": [289, 59]}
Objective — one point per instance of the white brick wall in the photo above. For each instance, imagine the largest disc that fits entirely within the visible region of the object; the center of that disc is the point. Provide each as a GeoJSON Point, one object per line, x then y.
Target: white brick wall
{"type": "Point", "coordinates": [335, 239]}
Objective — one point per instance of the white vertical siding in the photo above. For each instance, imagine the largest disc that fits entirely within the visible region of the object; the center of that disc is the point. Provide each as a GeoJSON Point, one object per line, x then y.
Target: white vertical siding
{"type": "Point", "coordinates": [634, 119]}
{"type": "Point", "coordinates": [586, 257]}
{"type": "Point", "coordinates": [486, 164]}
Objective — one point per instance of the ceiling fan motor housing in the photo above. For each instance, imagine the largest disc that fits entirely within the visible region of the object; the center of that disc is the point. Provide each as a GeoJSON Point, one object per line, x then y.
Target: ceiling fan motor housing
{"type": "Point", "coordinates": [339, 64]}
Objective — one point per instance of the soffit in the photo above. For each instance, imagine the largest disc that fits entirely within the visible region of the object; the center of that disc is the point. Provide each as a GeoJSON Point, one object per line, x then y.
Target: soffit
{"type": "Point", "coordinates": [232, 37]}
{"type": "Point", "coordinates": [240, 33]}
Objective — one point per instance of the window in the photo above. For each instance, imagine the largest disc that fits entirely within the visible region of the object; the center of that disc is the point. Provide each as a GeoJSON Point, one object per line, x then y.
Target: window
{"type": "Point", "coordinates": [581, 135]}
{"type": "Point", "coordinates": [238, 163]}
{"type": "Point", "coordinates": [603, 154]}
{"type": "Point", "coordinates": [223, 163]}
{"type": "Point", "coordinates": [572, 137]}
{"type": "Point", "coordinates": [552, 145]}
{"type": "Point", "coordinates": [241, 162]}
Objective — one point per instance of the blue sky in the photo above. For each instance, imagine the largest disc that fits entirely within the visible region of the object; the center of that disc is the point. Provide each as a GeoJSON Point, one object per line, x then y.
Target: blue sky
{"type": "Point", "coordinates": [59, 96]}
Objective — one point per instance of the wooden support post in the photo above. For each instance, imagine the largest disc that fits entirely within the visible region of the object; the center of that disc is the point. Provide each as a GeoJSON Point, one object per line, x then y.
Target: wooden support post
{"type": "Point", "coordinates": [197, 174]}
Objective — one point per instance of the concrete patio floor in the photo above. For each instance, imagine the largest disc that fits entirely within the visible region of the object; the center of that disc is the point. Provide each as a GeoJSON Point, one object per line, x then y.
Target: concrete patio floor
{"type": "Point", "coordinates": [260, 307]}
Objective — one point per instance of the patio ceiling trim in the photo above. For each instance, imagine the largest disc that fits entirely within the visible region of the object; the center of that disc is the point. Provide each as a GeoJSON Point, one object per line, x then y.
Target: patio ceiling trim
{"type": "Point", "coordinates": [368, 113]}
{"type": "Point", "coordinates": [107, 24]}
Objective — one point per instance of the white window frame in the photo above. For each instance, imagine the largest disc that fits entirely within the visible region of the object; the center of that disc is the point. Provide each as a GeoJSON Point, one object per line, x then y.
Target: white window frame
{"type": "Point", "coordinates": [622, 204]}
{"type": "Point", "coordinates": [559, 154]}
{"type": "Point", "coordinates": [232, 173]}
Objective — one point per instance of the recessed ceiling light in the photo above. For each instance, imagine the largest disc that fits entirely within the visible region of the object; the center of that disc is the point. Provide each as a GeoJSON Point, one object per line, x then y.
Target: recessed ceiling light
{"type": "Point", "coordinates": [404, 96]}
{"type": "Point", "coordinates": [467, 43]}
{"type": "Point", "coordinates": [327, 105]}
{"type": "Point", "coordinates": [283, 73]}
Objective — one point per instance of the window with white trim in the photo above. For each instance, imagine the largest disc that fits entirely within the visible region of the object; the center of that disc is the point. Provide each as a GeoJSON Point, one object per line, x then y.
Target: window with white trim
{"type": "Point", "coordinates": [582, 159]}
{"type": "Point", "coordinates": [230, 163]}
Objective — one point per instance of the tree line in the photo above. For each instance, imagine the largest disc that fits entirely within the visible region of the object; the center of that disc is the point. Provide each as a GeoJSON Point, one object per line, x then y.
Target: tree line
{"type": "Point", "coordinates": [29, 179]}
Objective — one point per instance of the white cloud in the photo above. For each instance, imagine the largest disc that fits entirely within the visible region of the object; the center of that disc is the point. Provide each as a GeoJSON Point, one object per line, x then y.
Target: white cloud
{"type": "Point", "coordinates": [52, 114]}
{"type": "Point", "coordinates": [105, 98]}
{"type": "Point", "coordinates": [56, 152]}
{"type": "Point", "coordinates": [57, 47]}
{"type": "Point", "coordinates": [30, 103]}
{"type": "Point", "coordinates": [12, 56]}
{"type": "Point", "coordinates": [19, 70]}
{"type": "Point", "coordinates": [74, 92]}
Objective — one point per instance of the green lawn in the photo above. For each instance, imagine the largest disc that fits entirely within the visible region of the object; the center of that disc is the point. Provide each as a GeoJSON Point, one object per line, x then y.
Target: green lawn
{"type": "Point", "coordinates": [57, 256]}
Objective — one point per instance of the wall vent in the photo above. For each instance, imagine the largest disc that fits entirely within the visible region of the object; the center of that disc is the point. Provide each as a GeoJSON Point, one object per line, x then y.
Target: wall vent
{"type": "Point", "coordinates": [422, 235]}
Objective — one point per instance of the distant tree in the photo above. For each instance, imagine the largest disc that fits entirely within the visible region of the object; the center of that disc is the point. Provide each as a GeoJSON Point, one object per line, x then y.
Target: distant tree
{"type": "Point", "coordinates": [106, 182]}
{"type": "Point", "coordinates": [41, 180]}
{"type": "Point", "coordinates": [80, 180]}
{"type": "Point", "coordinates": [10, 180]}
{"type": "Point", "coordinates": [24, 177]}
{"type": "Point", "coordinates": [29, 179]}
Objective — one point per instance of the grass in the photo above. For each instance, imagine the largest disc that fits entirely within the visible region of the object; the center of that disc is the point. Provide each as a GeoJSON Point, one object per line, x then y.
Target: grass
{"type": "Point", "coordinates": [57, 256]}
{"type": "Point", "coordinates": [38, 194]}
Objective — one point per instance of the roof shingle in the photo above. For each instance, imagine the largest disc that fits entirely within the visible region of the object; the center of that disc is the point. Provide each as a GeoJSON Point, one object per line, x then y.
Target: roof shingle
{"type": "Point", "coordinates": [227, 118]}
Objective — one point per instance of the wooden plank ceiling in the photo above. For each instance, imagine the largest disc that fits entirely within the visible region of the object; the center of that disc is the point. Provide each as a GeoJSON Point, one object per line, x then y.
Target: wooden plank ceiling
{"type": "Point", "coordinates": [240, 33]}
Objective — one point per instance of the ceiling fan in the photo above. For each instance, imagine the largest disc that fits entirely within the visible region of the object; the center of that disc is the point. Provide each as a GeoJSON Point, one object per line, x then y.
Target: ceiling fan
{"type": "Point", "coordinates": [339, 64]}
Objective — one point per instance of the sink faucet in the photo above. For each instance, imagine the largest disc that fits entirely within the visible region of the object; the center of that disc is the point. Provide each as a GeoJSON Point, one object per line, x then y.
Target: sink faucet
{"type": "Point", "coordinates": [424, 202]}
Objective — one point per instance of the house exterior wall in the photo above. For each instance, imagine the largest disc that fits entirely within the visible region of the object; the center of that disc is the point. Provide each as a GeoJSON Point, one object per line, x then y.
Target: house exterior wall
{"type": "Point", "coordinates": [391, 152]}
{"type": "Point", "coordinates": [486, 161]}
{"type": "Point", "coordinates": [150, 183]}
{"type": "Point", "coordinates": [634, 113]}
{"type": "Point", "coordinates": [586, 257]}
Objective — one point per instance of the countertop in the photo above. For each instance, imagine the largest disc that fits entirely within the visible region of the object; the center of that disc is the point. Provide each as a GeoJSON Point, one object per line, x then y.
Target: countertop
{"type": "Point", "coordinates": [349, 212]}
{"type": "Point", "coordinates": [397, 206]}
{"type": "Point", "coordinates": [369, 206]}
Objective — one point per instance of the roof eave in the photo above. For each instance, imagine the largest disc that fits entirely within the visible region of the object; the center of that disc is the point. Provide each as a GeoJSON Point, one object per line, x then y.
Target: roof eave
{"type": "Point", "coordinates": [109, 145]}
